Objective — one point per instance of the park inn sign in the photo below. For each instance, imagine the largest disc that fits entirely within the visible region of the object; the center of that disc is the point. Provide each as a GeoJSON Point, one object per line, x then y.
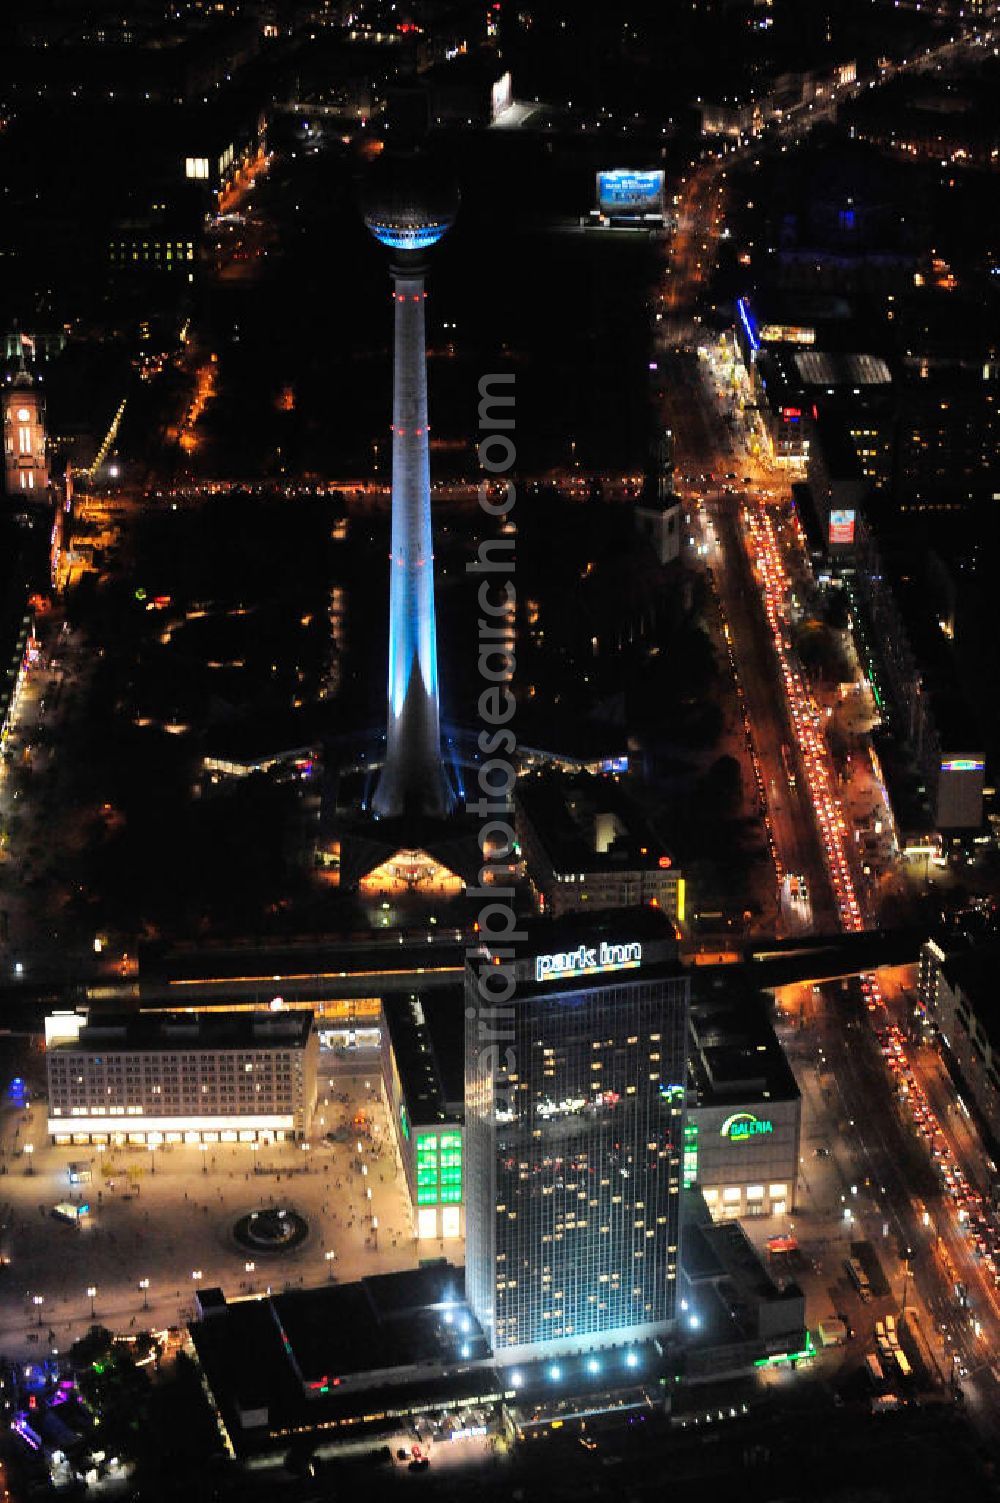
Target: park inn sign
{"type": "Point", "coordinates": [743, 1125]}
{"type": "Point", "coordinates": [588, 960]}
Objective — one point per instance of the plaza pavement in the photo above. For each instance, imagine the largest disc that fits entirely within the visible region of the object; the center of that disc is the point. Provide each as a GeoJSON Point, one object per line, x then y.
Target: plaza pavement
{"type": "Point", "coordinates": [167, 1216]}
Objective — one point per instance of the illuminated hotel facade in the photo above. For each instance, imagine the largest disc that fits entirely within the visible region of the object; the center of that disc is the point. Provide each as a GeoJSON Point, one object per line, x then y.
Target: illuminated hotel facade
{"type": "Point", "coordinates": [574, 1132]}
{"type": "Point", "coordinates": [167, 1078]}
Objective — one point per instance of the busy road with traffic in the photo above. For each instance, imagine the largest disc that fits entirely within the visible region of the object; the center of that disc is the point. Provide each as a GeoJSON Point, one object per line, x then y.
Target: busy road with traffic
{"type": "Point", "coordinates": [925, 1176]}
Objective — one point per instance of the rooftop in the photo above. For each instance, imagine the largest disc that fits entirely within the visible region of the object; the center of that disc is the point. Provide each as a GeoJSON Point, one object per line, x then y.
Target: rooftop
{"type": "Point", "coordinates": [646, 926]}
{"type": "Point", "coordinates": [587, 823]}
{"type": "Point", "coordinates": [816, 368]}
{"type": "Point", "coordinates": [321, 1357]}
{"type": "Point", "coordinates": [734, 1050]}
{"type": "Point", "coordinates": [92, 1032]}
{"type": "Point", "coordinates": [427, 1035]}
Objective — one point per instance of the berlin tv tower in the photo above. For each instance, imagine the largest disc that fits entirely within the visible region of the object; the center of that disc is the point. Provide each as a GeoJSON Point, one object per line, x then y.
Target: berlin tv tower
{"type": "Point", "coordinates": [408, 208]}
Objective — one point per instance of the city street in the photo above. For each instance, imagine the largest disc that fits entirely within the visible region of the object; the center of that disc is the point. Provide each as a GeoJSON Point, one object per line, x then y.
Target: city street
{"type": "Point", "coordinates": [868, 1178]}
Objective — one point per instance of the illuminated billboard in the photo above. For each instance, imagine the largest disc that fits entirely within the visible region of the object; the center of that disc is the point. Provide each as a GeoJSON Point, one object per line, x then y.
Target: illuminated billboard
{"type": "Point", "coordinates": [841, 528]}
{"type": "Point", "coordinates": [502, 96]}
{"type": "Point", "coordinates": [786, 334]}
{"type": "Point", "coordinates": [625, 192]}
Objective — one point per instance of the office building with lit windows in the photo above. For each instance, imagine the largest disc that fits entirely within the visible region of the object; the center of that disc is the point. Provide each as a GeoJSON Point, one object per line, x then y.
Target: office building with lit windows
{"type": "Point", "coordinates": [587, 846]}
{"type": "Point", "coordinates": [152, 1078]}
{"type": "Point", "coordinates": [574, 1122]}
{"type": "Point", "coordinates": [956, 990]}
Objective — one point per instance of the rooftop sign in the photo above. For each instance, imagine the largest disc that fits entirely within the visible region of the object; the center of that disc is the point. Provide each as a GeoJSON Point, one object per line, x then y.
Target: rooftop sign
{"type": "Point", "coordinates": [588, 960]}
{"type": "Point", "coordinates": [743, 1125]}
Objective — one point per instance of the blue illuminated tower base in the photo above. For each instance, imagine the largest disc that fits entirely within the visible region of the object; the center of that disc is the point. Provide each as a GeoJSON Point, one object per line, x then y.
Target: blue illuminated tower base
{"type": "Point", "coordinates": [409, 214]}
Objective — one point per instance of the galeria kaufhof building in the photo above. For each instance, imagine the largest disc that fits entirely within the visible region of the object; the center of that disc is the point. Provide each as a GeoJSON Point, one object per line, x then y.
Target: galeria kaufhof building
{"type": "Point", "coordinates": [744, 1117]}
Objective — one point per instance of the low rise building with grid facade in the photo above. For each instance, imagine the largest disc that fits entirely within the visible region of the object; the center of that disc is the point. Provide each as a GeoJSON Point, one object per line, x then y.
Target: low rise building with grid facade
{"type": "Point", "coordinates": [152, 1078]}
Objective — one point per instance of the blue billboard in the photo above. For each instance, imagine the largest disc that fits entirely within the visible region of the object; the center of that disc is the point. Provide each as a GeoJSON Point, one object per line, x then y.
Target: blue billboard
{"type": "Point", "coordinates": [627, 192]}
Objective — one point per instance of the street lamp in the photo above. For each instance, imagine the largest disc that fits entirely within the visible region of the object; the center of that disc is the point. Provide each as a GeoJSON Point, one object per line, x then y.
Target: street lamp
{"type": "Point", "coordinates": [330, 1257]}
{"type": "Point", "coordinates": [92, 1295]}
{"type": "Point", "coordinates": [196, 1274]}
{"type": "Point", "coordinates": [29, 1149]}
{"type": "Point", "coordinates": [144, 1286]}
{"type": "Point", "coordinates": [38, 1301]}
{"type": "Point", "coordinates": [152, 1157]}
{"type": "Point", "coordinates": [203, 1147]}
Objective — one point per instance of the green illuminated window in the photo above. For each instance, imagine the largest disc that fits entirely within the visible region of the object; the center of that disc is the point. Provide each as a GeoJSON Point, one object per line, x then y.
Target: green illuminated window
{"type": "Point", "coordinates": [439, 1168]}
{"type": "Point", "coordinates": [689, 1168]}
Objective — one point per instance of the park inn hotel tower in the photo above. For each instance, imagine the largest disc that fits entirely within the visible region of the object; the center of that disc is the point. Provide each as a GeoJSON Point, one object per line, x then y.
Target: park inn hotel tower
{"type": "Point", "coordinates": [574, 1123]}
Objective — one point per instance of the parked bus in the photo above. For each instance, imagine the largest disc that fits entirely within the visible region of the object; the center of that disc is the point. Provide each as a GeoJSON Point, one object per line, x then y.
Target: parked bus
{"type": "Point", "coordinates": [858, 1278]}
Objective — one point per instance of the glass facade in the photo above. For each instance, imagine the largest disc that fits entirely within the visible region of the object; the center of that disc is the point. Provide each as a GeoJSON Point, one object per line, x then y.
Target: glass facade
{"type": "Point", "coordinates": [439, 1168]}
{"type": "Point", "coordinates": [690, 1154]}
{"type": "Point", "coordinates": [574, 1147]}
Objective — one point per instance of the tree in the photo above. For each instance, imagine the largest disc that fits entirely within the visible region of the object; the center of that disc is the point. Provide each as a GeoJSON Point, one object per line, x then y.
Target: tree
{"type": "Point", "coordinates": [722, 786]}
{"type": "Point", "coordinates": [94, 1347]}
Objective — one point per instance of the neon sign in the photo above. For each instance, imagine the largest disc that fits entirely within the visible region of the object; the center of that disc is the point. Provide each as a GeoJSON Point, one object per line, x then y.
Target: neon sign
{"type": "Point", "coordinates": [743, 1125]}
{"type": "Point", "coordinates": [741, 308]}
{"type": "Point", "coordinates": [842, 527]}
{"type": "Point", "coordinates": [964, 764]}
{"type": "Point", "coordinates": [588, 960]}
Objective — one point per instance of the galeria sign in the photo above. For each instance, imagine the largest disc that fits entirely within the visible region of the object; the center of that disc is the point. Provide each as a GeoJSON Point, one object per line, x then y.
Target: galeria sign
{"type": "Point", "coordinates": [742, 1125]}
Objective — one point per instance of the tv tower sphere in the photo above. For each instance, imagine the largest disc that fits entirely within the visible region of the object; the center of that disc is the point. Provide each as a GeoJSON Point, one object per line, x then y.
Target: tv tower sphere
{"type": "Point", "coordinates": [408, 206]}
{"type": "Point", "coordinates": [407, 203]}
